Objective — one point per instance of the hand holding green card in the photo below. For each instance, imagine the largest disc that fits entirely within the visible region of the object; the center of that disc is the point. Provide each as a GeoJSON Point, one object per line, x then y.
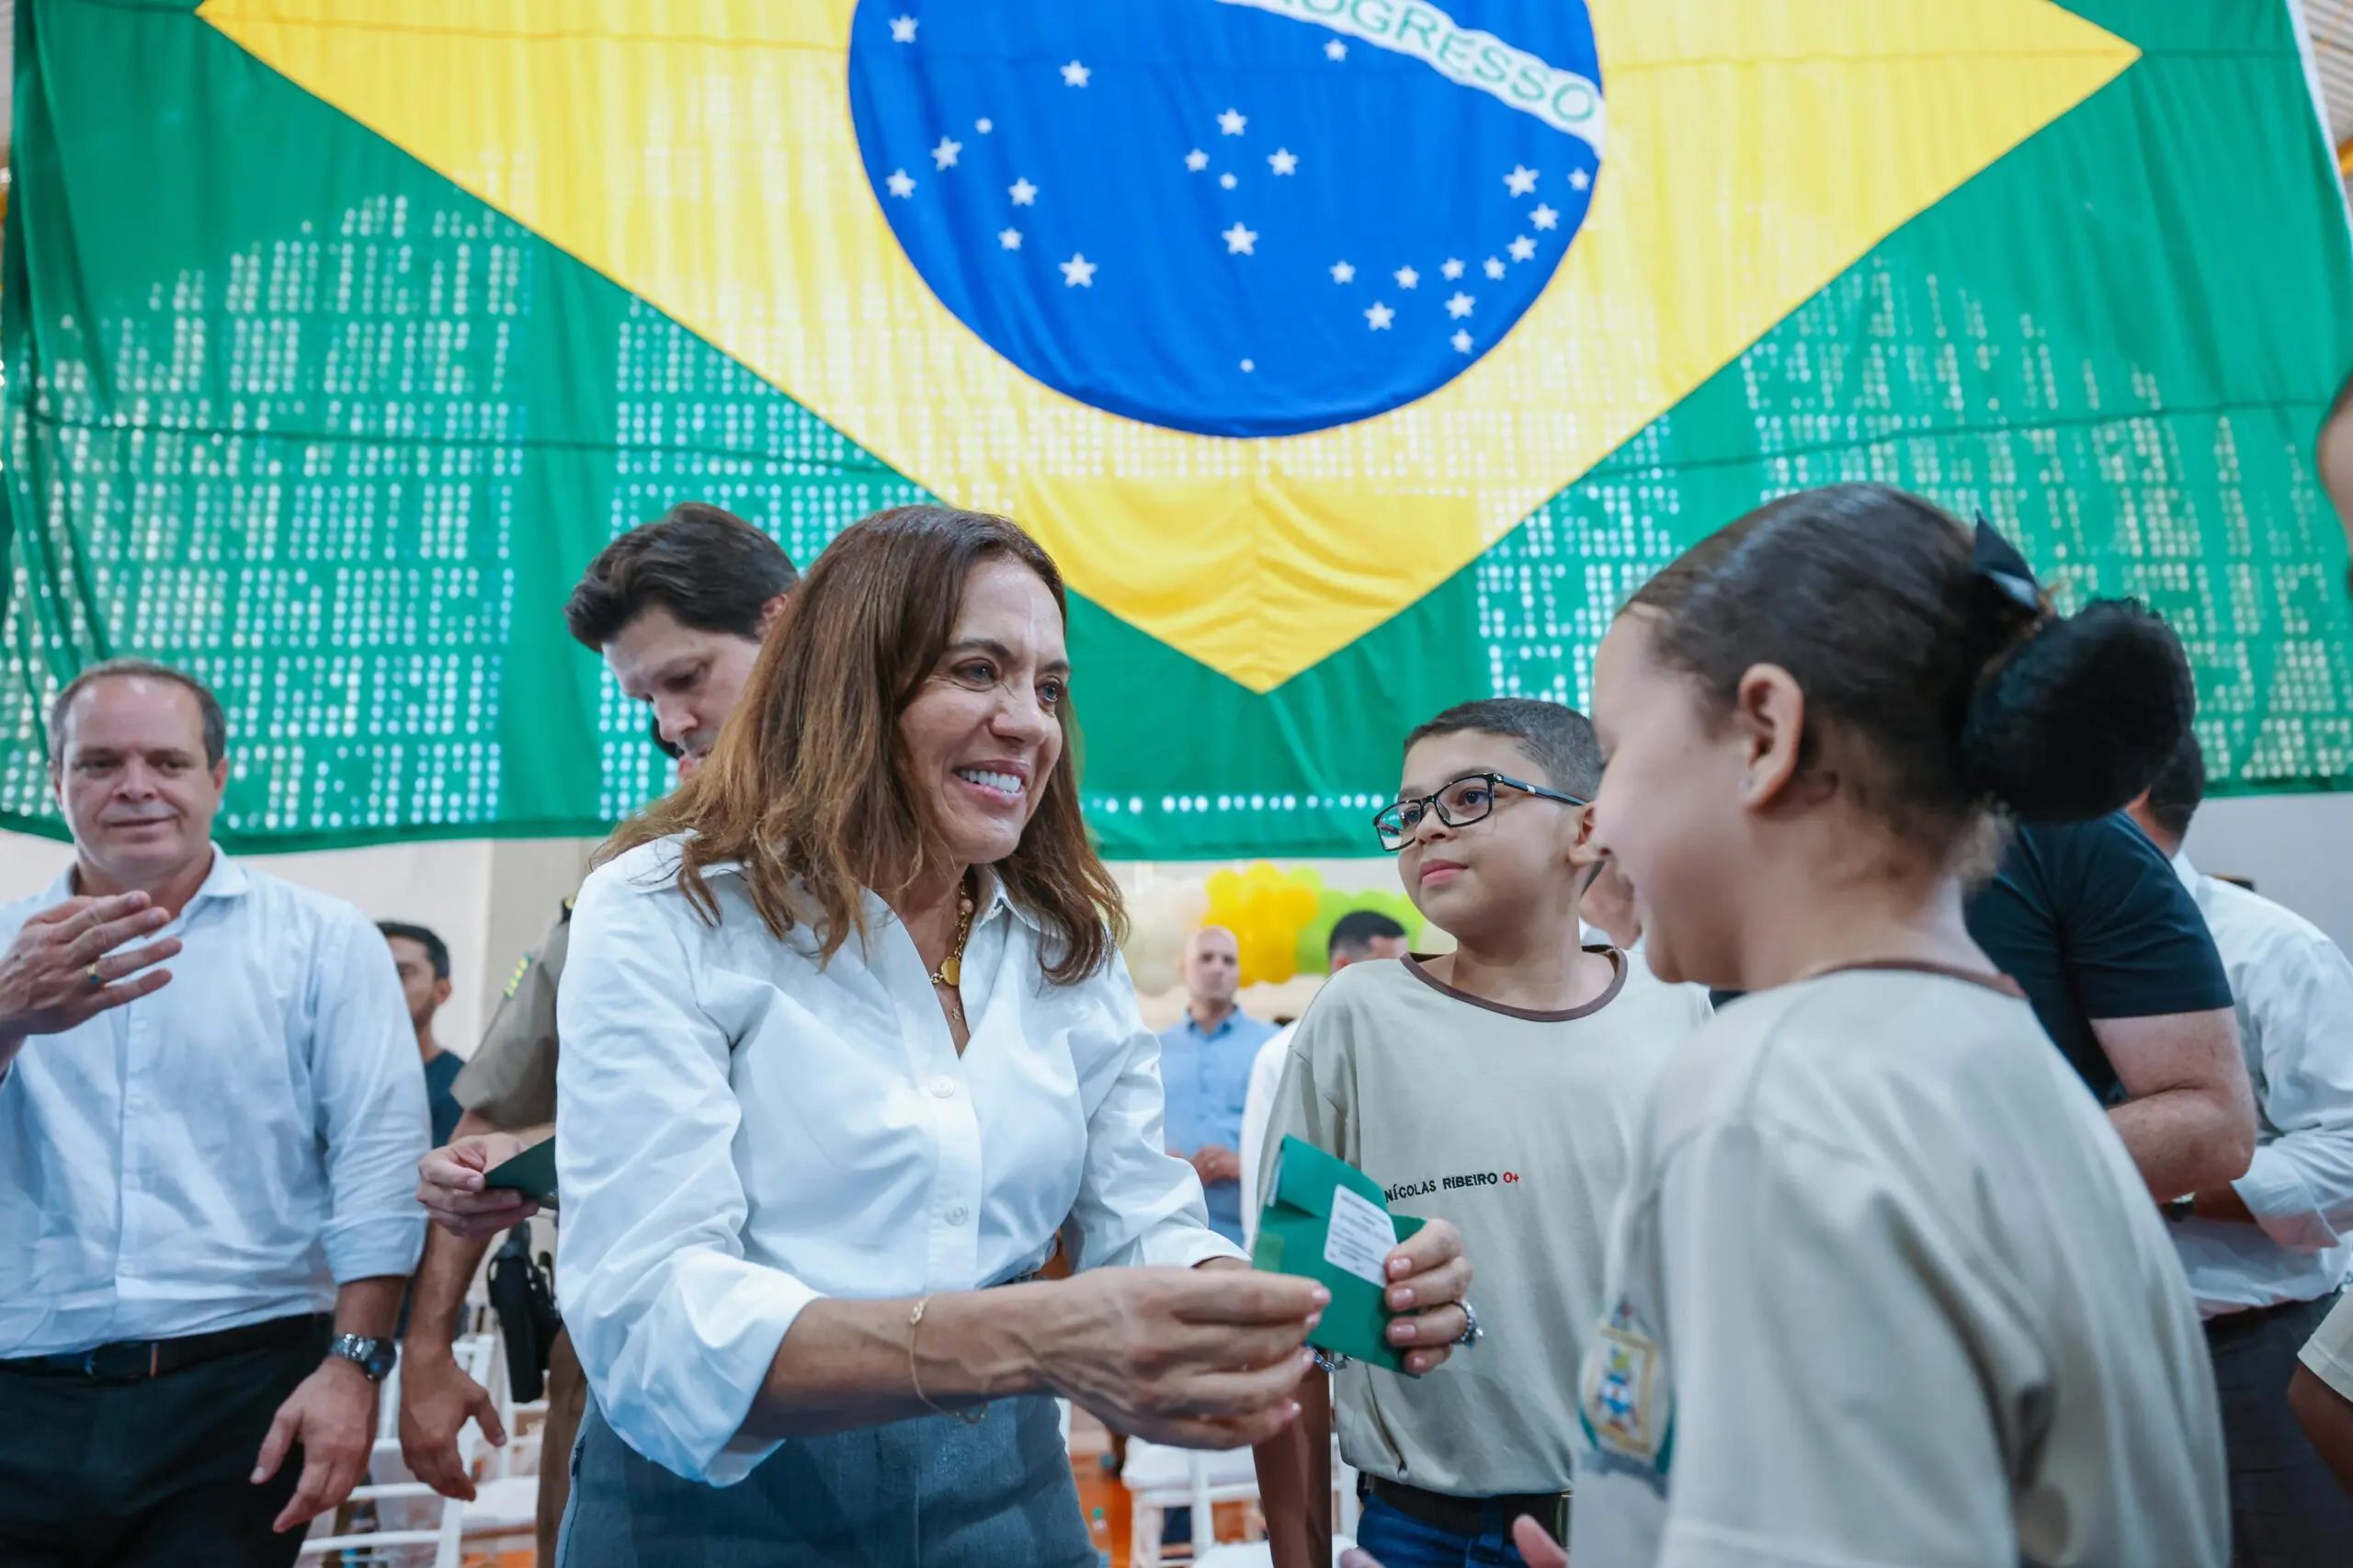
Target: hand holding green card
{"type": "Point", "coordinates": [530, 1173]}
{"type": "Point", "coordinates": [1327, 1220]}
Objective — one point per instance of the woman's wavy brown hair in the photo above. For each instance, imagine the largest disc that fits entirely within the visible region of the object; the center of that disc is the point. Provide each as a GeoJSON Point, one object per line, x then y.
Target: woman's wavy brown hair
{"type": "Point", "coordinates": [807, 787]}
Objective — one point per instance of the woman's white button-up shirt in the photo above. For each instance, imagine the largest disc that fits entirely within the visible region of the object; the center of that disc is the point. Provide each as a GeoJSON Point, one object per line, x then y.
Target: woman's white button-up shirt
{"type": "Point", "coordinates": [741, 1132]}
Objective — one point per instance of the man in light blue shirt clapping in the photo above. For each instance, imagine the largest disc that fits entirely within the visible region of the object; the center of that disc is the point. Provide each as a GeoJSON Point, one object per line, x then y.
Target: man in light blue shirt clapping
{"type": "Point", "coordinates": [1205, 1060]}
{"type": "Point", "coordinates": [206, 1216]}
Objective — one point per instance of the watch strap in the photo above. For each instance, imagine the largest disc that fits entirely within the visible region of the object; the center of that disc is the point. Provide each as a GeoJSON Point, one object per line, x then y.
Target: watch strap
{"type": "Point", "coordinates": [374, 1358]}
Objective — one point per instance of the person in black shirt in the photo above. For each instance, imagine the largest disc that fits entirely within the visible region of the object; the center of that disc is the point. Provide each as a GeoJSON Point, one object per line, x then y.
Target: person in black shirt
{"type": "Point", "coordinates": [2092, 923]}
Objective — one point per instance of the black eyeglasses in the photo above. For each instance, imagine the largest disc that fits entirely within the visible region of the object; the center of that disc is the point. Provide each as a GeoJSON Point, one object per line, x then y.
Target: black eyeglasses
{"type": "Point", "coordinates": [1465, 801]}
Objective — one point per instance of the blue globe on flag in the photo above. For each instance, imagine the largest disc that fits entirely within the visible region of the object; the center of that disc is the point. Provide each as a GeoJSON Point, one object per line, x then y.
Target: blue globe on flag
{"type": "Point", "coordinates": [1240, 217]}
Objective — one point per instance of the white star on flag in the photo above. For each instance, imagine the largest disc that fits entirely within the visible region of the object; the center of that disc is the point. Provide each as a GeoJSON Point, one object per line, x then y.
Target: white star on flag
{"type": "Point", "coordinates": [1494, 265]}
{"type": "Point", "coordinates": [1579, 179]}
{"type": "Point", "coordinates": [1450, 268]}
{"type": "Point", "coordinates": [1009, 238]}
{"type": "Point", "coordinates": [1407, 277]}
{"type": "Point", "coordinates": [1077, 272]}
{"type": "Point", "coordinates": [1543, 217]}
{"type": "Point", "coordinates": [1024, 194]}
{"type": "Point", "coordinates": [1076, 74]}
{"type": "Point", "coordinates": [1461, 341]}
{"type": "Point", "coordinates": [902, 29]}
{"type": "Point", "coordinates": [1249, 365]}
{"type": "Point", "coordinates": [1381, 315]}
{"type": "Point", "coordinates": [1523, 249]}
{"type": "Point", "coordinates": [1197, 160]}
{"type": "Point", "coordinates": [1335, 50]}
{"type": "Point", "coordinates": [1459, 306]}
{"type": "Point", "coordinates": [985, 125]}
{"type": "Point", "coordinates": [1232, 122]}
{"type": "Point", "coordinates": [1239, 241]}
{"type": "Point", "coordinates": [1284, 161]}
{"type": "Point", "coordinates": [944, 155]}
{"type": "Point", "coordinates": [1343, 273]}
{"type": "Point", "coordinates": [1521, 181]}
{"type": "Point", "coordinates": [1227, 181]}
{"type": "Point", "coordinates": [902, 184]}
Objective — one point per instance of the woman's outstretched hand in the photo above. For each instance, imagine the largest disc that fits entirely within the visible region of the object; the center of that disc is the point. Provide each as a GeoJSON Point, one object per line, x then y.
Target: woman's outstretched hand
{"type": "Point", "coordinates": [1201, 1358]}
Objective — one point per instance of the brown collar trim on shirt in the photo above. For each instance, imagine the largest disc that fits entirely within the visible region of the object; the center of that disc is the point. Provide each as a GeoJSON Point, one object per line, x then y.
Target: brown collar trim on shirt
{"type": "Point", "coordinates": [2001, 984]}
{"type": "Point", "coordinates": [1616, 984]}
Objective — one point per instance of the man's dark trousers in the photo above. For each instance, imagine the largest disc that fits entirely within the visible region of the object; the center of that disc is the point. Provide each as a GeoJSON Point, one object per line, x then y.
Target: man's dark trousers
{"type": "Point", "coordinates": [2287, 1510]}
{"type": "Point", "coordinates": [152, 1473]}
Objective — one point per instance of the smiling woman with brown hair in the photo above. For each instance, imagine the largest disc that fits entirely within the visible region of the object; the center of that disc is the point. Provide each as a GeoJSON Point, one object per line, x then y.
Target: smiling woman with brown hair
{"type": "Point", "coordinates": [846, 1042]}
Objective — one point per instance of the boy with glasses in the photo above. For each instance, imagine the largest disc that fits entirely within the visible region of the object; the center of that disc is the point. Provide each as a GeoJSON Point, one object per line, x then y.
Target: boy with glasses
{"type": "Point", "coordinates": [1546, 1049]}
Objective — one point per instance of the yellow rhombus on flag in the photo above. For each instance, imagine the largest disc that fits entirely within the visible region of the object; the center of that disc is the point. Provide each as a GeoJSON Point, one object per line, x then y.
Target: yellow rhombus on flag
{"type": "Point", "coordinates": [704, 157]}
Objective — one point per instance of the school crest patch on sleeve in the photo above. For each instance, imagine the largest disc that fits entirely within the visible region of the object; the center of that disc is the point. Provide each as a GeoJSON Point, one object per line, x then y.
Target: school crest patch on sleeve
{"type": "Point", "coordinates": [1625, 1402]}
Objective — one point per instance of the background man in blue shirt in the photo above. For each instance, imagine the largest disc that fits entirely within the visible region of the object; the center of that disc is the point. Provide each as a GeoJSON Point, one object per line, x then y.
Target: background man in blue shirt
{"type": "Point", "coordinates": [422, 960]}
{"type": "Point", "coordinates": [1205, 1060]}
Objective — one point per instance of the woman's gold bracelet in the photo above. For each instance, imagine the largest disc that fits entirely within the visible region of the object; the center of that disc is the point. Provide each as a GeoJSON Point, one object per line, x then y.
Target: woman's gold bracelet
{"type": "Point", "coordinates": [914, 1379]}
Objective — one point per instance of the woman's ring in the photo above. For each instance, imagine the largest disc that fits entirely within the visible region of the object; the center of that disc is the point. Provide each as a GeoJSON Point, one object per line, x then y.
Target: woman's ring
{"type": "Point", "coordinates": [97, 982]}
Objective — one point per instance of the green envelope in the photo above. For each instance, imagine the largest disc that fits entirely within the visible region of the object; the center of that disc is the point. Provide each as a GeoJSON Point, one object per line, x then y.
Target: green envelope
{"type": "Point", "coordinates": [1326, 1220]}
{"type": "Point", "coordinates": [530, 1173]}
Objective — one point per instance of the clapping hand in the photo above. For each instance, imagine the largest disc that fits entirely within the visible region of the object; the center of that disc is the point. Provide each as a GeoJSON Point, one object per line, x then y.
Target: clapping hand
{"type": "Point", "coordinates": [57, 973]}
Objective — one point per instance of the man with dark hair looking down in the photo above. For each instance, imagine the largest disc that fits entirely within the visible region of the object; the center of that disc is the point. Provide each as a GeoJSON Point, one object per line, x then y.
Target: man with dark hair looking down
{"type": "Point", "coordinates": [677, 609]}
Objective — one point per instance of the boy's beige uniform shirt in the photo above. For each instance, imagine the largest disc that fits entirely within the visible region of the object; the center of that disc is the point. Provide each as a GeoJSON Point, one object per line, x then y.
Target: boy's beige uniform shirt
{"type": "Point", "coordinates": [1887, 1290]}
{"type": "Point", "coordinates": [1516, 1127]}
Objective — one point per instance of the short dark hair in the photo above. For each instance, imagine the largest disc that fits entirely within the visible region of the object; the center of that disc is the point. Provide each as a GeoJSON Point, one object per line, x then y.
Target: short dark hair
{"type": "Point", "coordinates": [1558, 739]}
{"type": "Point", "coordinates": [435, 948]}
{"type": "Point", "coordinates": [2174, 794]}
{"type": "Point", "coordinates": [214, 722]}
{"type": "Point", "coordinates": [710, 568]}
{"type": "Point", "coordinates": [1358, 930]}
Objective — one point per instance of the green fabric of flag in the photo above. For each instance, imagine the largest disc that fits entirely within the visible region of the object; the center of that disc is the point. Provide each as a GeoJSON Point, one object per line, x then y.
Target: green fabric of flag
{"type": "Point", "coordinates": [291, 410]}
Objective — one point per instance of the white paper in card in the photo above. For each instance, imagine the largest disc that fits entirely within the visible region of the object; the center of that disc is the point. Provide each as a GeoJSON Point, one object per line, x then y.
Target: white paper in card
{"type": "Point", "coordinates": [1361, 1236]}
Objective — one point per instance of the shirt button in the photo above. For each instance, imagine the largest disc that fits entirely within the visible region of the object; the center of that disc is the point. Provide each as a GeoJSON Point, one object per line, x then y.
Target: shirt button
{"type": "Point", "coordinates": [944, 1086]}
{"type": "Point", "coordinates": [959, 1214]}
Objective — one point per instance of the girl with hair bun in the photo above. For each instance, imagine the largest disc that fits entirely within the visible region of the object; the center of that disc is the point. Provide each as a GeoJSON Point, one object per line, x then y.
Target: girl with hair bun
{"type": "Point", "coordinates": [1887, 1287]}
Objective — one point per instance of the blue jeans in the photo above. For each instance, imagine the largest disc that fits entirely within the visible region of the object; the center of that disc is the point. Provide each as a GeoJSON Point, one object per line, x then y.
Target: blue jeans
{"type": "Point", "coordinates": [1400, 1541]}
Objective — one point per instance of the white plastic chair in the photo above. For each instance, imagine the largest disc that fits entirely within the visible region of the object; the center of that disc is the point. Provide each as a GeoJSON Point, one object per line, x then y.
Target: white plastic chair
{"type": "Point", "coordinates": [506, 1507]}
{"type": "Point", "coordinates": [1208, 1482]}
{"type": "Point", "coordinates": [1159, 1478]}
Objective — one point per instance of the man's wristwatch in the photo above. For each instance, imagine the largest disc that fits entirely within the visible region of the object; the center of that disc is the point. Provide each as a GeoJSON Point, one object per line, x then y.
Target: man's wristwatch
{"type": "Point", "coordinates": [2179, 1209]}
{"type": "Point", "coordinates": [373, 1357]}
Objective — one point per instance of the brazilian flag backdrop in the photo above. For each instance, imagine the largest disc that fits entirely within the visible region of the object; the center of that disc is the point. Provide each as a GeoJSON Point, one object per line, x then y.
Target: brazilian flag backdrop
{"type": "Point", "coordinates": [1353, 356]}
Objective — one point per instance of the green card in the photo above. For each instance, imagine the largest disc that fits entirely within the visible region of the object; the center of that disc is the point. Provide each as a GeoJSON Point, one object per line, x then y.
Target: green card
{"type": "Point", "coordinates": [1328, 1220]}
{"type": "Point", "coordinates": [530, 1173]}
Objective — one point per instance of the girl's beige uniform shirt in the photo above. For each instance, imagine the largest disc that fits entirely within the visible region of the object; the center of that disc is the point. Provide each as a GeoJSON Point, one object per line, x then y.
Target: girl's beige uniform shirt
{"type": "Point", "coordinates": [1887, 1289]}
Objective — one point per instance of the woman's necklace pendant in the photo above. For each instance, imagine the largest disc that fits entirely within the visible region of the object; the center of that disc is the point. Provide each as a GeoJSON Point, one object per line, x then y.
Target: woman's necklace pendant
{"type": "Point", "coordinates": [951, 969]}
